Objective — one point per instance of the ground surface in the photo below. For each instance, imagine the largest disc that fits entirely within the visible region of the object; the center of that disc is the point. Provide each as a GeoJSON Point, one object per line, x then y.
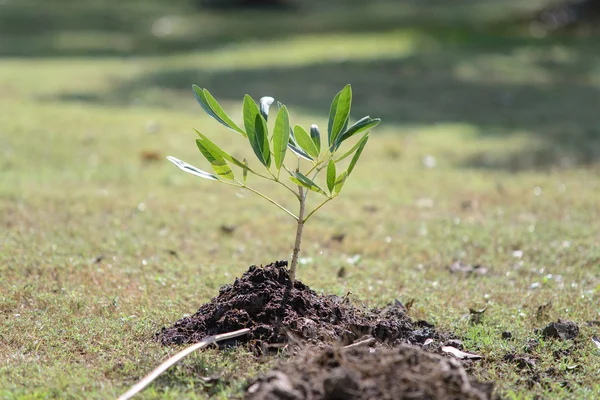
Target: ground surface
{"type": "Point", "coordinates": [488, 155]}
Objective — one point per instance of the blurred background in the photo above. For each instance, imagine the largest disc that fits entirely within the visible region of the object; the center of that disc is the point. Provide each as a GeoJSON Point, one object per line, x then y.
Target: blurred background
{"type": "Point", "coordinates": [499, 65]}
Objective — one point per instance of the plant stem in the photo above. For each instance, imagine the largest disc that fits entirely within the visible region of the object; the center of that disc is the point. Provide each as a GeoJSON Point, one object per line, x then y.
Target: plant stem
{"type": "Point", "coordinates": [299, 229]}
{"type": "Point", "coordinates": [285, 186]}
{"type": "Point", "coordinates": [319, 206]}
{"type": "Point", "coordinates": [291, 214]}
{"type": "Point", "coordinates": [287, 169]}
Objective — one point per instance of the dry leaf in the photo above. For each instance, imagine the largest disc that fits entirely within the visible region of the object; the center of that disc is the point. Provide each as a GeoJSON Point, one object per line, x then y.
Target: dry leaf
{"type": "Point", "coordinates": [338, 237]}
{"type": "Point", "coordinates": [150, 156]}
{"type": "Point", "coordinates": [228, 229]}
{"type": "Point", "coordinates": [469, 205]}
{"type": "Point", "coordinates": [461, 355]}
{"type": "Point", "coordinates": [542, 310]}
{"type": "Point", "coordinates": [476, 315]}
{"type": "Point", "coordinates": [596, 341]}
{"type": "Point", "coordinates": [370, 208]}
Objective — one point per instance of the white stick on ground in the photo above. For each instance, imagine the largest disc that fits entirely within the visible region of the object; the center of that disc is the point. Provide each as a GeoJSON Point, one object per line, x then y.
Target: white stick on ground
{"type": "Point", "coordinates": [365, 342]}
{"type": "Point", "coordinates": [138, 387]}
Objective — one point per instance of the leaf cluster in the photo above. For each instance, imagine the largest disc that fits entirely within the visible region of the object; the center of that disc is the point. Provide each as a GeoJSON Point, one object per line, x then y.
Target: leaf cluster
{"type": "Point", "coordinates": [271, 147]}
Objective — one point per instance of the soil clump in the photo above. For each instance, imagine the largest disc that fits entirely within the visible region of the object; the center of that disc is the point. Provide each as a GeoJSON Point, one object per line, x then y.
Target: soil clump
{"type": "Point", "coordinates": [561, 330]}
{"type": "Point", "coordinates": [361, 373]}
{"type": "Point", "coordinates": [277, 312]}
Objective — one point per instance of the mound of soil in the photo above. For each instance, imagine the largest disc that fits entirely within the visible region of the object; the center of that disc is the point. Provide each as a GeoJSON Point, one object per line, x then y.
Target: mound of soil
{"type": "Point", "coordinates": [405, 372]}
{"type": "Point", "coordinates": [265, 301]}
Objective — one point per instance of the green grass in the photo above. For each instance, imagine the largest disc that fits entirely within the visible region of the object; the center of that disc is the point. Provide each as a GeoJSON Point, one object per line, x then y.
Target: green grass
{"type": "Point", "coordinates": [99, 249]}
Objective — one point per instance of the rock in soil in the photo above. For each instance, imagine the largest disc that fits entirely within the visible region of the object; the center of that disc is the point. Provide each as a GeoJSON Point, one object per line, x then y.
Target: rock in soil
{"type": "Point", "coordinates": [275, 311]}
{"type": "Point", "coordinates": [405, 372]}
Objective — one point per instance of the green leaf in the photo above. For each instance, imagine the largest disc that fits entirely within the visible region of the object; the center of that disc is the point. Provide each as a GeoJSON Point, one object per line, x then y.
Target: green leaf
{"type": "Point", "coordinates": [213, 147]}
{"type": "Point", "coordinates": [298, 152]}
{"type": "Point", "coordinates": [190, 169]}
{"type": "Point", "coordinates": [339, 113]}
{"type": "Point", "coordinates": [306, 182]}
{"type": "Point", "coordinates": [352, 150]}
{"type": "Point", "coordinates": [362, 125]}
{"type": "Point", "coordinates": [331, 175]}
{"type": "Point", "coordinates": [315, 135]}
{"type": "Point", "coordinates": [217, 109]}
{"type": "Point", "coordinates": [281, 136]}
{"type": "Point", "coordinates": [262, 134]}
{"type": "Point", "coordinates": [245, 171]}
{"type": "Point", "coordinates": [265, 104]}
{"type": "Point", "coordinates": [214, 109]}
{"type": "Point", "coordinates": [216, 160]}
{"type": "Point", "coordinates": [201, 99]}
{"type": "Point", "coordinates": [339, 182]}
{"type": "Point", "coordinates": [256, 128]}
{"type": "Point", "coordinates": [305, 142]}
{"type": "Point", "coordinates": [293, 146]}
{"type": "Point", "coordinates": [361, 146]}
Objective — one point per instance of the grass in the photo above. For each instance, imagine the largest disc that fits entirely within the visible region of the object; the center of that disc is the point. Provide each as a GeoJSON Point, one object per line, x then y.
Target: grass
{"type": "Point", "coordinates": [100, 248]}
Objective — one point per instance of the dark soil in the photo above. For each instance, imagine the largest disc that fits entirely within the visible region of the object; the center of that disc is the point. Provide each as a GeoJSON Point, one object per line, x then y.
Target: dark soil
{"type": "Point", "coordinates": [521, 361]}
{"type": "Point", "coordinates": [276, 312]}
{"type": "Point", "coordinates": [561, 330]}
{"type": "Point", "coordinates": [405, 372]}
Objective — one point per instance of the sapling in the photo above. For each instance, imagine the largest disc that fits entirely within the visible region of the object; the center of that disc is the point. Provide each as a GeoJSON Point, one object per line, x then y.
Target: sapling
{"type": "Point", "coordinates": [271, 150]}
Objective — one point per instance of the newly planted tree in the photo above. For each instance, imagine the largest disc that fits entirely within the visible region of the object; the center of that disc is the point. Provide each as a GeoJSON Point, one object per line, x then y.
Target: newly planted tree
{"type": "Point", "coordinates": [271, 149]}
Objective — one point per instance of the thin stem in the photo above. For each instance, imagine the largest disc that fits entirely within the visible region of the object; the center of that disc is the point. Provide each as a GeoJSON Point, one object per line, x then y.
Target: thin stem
{"type": "Point", "coordinates": [288, 171]}
{"type": "Point", "coordinates": [299, 228]}
{"type": "Point", "coordinates": [234, 183]}
{"type": "Point", "coordinates": [276, 179]}
{"type": "Point", "coordinates": [287, 187]}
{"type": "Point", "coordinates": [257, 174]}
{"type": "Point", "coordinates": [320, 164]}
{"type": "Point", "coordinates": [319, 206]}
{"type": "Point", "coordinates": [271, 201]}
{"type": "Point", "coordinates": [312, 169]}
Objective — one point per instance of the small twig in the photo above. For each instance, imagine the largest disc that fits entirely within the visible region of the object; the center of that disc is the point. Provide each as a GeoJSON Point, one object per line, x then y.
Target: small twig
{"type": "Point", "coordinates": [167, 364]}
{"type": "Point", "coordinates": [360, 343]}
{"type": "Point", "coordinates": [317, 208]}
{"type": "Point", "coordinates": [271, 201]}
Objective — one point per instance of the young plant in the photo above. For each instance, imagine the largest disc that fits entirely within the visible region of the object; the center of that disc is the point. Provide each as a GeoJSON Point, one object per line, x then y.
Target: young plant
{"type": "Point", "coordinates": [271, 151]}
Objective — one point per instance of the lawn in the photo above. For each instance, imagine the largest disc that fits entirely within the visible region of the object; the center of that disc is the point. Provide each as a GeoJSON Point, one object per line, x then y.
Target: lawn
{"type": "Point", "coordinates": [488, 154]}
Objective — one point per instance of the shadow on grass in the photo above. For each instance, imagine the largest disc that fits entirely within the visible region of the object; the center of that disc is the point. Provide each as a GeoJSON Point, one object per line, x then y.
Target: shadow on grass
{"type": "Point", "coordinates": [62, 28]}
{"type": "Point", "coordinates": [502, 85]}
{"type": "Point", "coordinates": [86, 28]}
